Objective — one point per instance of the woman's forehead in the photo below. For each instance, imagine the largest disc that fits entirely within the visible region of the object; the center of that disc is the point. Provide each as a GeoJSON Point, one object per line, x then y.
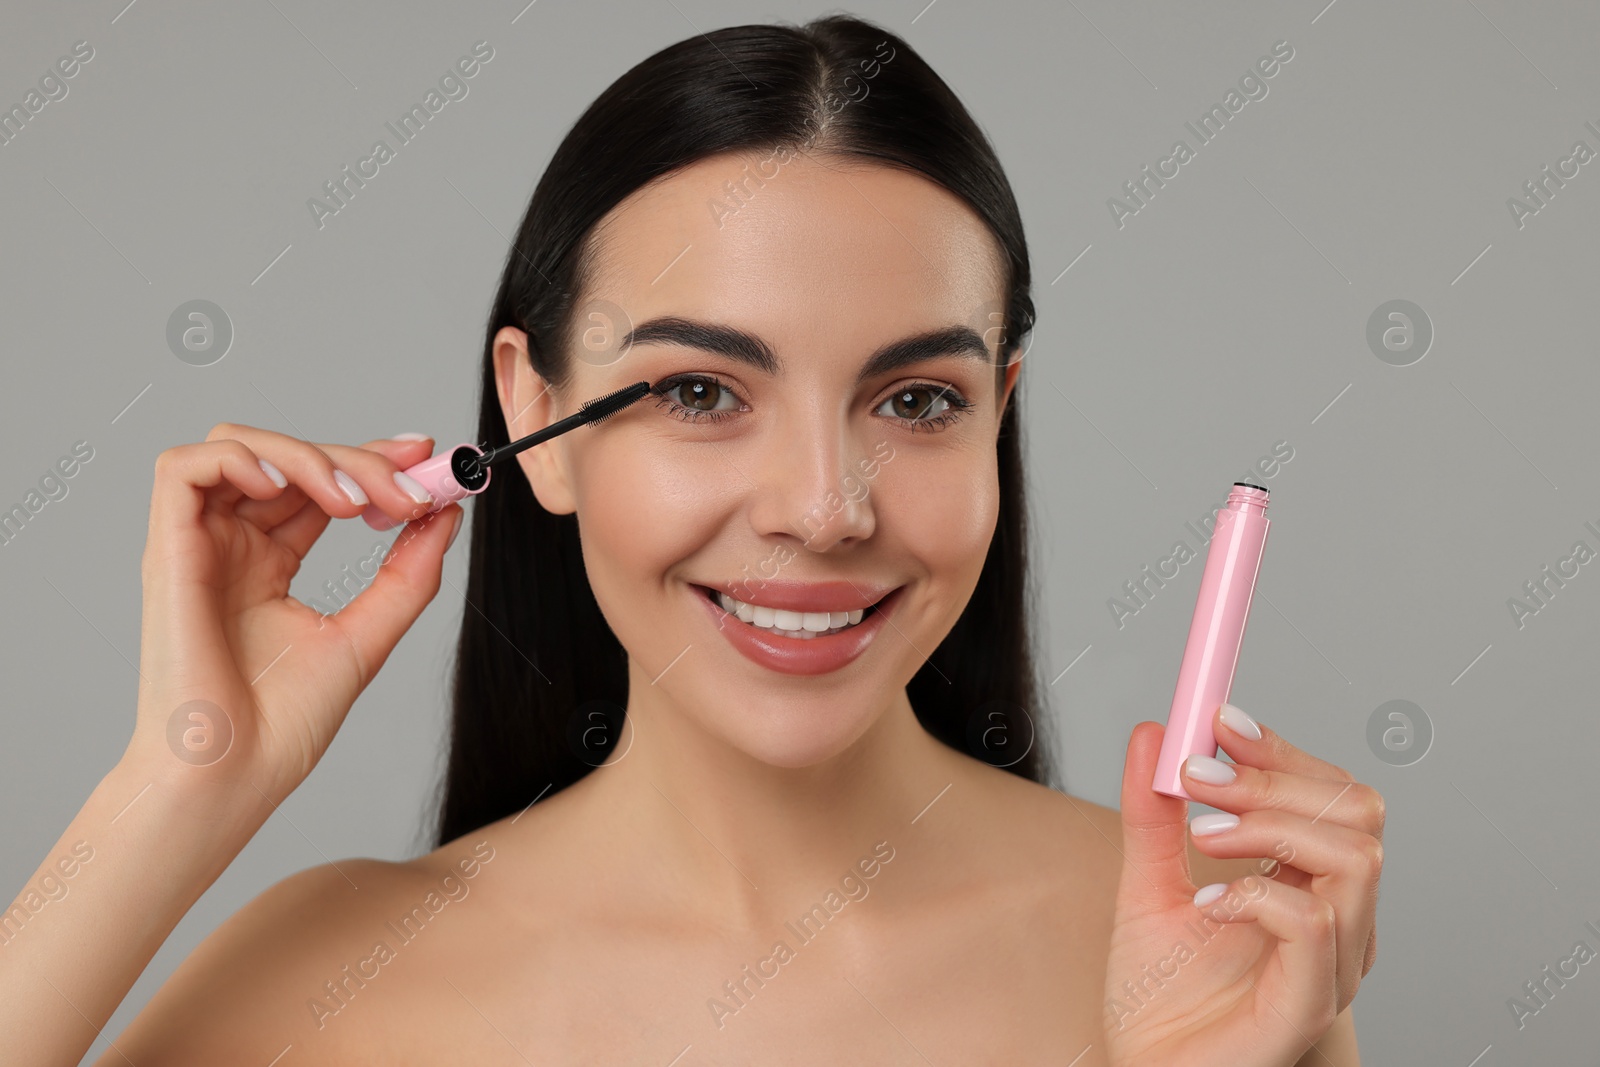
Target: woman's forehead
{"type": "Point", "coordinates": [835, 237]}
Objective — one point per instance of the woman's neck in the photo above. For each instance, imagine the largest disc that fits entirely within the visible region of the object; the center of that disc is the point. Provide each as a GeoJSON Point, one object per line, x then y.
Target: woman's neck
{"type": "Point", "coordinates": [743, 837]}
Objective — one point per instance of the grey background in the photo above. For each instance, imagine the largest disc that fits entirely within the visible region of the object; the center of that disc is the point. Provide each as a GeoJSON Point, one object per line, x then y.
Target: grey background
{"type": "Point", "coordinates": [1228, 315]}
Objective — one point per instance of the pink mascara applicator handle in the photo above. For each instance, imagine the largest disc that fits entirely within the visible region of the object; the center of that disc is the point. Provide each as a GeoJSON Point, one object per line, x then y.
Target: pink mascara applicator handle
{"type": "Point", "coordinates": [464, 470]}
{"type": "Point", "coordinates": [1216, 633]}
{"type": "Point", "coordinates": [447, 477]}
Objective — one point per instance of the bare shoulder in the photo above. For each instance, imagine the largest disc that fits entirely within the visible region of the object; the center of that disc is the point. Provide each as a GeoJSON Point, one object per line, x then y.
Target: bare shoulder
{"type": "Point", "coordinates": [1027, 833]}
{"type": "Point", "coordinates": [1089, 835]}
{"type": "Point", "coordinates": [259, 984]}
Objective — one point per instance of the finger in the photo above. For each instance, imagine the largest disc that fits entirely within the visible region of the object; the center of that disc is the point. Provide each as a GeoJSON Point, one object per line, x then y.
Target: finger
{"type": "Point", "coordinates": [1232, 729]}
{"type": "Point", "coordinates": [383, 480]}
{"type": "Point", "coordinates": [265, 514]}
{"type": "Point", "coordinates": [1247, 788]}
{"type": "Point", "coordinates": [1343, 864]}
{"type": "Point", "coordinates": [402, 452]}
{"type": "Point", "coordinates": [1324, 849]}
{"type": "Point", "coordinates": [1279, 871]}
{"type": "Point", "coordinates": [188, 476]}
{"type": "Point", "coordinates": [268, 514]}
{"type": "Point", "coordinates": [302, 464]}
{"type": "Point", "coordinates": [1155, 847]}
{"type": "Point", "coordinates": [178, 569]}
{"type": "Point", "coordinates": [297, 532]}
{"type": "Point", "coordinates": [300, 531]}
{"type": "Point", "coordinates": [406, 581]}
{"type": "Point", "coordinates": [1298, 983]}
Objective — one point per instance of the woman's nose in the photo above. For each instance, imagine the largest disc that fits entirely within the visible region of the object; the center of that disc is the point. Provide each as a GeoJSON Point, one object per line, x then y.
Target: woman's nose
{"type": "Point", "coordinates": [810, 489]}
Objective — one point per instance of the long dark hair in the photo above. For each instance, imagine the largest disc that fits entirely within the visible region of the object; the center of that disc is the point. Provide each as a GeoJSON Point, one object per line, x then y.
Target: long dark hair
{"type": "Point", "coordinates": [538, 673]}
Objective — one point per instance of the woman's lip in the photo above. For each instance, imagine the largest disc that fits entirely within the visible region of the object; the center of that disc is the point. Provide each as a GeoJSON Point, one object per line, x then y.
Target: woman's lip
{"type": "Point", "coordinates": [787, 595]}
{"type": "Point", "coordinates": [853, 603]}
{"type": "Point", "coordinates": [800, 655]}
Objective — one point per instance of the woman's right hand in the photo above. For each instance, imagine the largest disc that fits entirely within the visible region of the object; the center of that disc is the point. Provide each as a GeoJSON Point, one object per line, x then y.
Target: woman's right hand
{"type": "Point", "coordinates": [241, 684]}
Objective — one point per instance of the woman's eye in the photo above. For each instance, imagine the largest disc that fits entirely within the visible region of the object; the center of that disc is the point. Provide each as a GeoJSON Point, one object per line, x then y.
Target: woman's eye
{"type": "Point", "coordinates": [920, 406]}
{"type": "Point", "coordinates": [924, 406]}
{"type": "Point", "coordinates": [692, 399]}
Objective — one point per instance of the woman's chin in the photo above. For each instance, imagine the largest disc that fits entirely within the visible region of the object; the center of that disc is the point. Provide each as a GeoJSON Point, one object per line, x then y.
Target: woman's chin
{"type": "Point", "coordinates": [791, 741]}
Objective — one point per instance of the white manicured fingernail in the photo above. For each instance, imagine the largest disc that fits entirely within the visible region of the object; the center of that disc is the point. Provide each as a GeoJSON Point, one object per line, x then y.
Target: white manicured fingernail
{"type": "Point", "coordinates": [412, 487]}
{"type": "Point", "coordinates": [1206, 894]}
{"type": "Point", "coordinates": [460, 515]}
{"type": "Point", "coordinates": [1205, 825]}
{"type": "Point", "coordinates": [1209, 770]}
{"type": "Point", "coordinates": [411, 437]}
{"type": "Point", "coordinates": [1239, 722]}
{"type": "Point", "coordinates": [351, 489]}
{"type": "Point", "coordinates": [274, 473]}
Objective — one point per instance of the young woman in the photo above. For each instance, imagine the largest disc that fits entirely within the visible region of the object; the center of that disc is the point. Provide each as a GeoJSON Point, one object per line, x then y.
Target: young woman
{"type": "Point", "coordinates": [674, 828]}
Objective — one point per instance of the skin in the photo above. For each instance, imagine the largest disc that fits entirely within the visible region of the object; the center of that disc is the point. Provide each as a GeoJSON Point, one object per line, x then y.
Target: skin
{"type": "Point", "coordinates": [601, 923]}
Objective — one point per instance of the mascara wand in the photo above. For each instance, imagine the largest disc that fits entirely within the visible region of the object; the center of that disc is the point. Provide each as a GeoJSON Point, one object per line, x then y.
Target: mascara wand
{"type": "Point", "coordinates": [464, 470]}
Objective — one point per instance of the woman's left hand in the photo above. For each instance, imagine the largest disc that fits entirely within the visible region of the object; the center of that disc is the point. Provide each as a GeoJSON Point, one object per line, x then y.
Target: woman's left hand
{"type": "Point", "coordinates": [1252, 977]}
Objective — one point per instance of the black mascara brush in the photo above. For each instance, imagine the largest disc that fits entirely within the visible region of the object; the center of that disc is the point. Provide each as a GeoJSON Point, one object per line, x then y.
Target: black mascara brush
{"type": "Point", "coordinates": [464, 470]}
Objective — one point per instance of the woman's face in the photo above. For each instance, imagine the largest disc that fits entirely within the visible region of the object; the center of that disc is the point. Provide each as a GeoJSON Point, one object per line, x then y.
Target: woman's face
{"type": "Point", "coordinates": [771, 465]}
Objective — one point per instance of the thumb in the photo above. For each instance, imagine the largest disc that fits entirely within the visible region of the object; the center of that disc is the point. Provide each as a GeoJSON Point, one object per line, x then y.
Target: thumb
{"type": "Point", "coordinates": [1155, 831]}
{"type": "Point", "coordinates": [406, 581]}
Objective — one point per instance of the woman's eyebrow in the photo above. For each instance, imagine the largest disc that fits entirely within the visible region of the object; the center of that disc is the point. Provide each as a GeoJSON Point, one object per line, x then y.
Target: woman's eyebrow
{"type": "Point", "coordinates": [752, 350]}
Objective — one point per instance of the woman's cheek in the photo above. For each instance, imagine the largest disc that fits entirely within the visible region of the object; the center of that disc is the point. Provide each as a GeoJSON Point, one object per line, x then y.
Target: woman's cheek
{"type": "Point", "coordinates": [642, 510]}
{"type": "Point", "coordinates": [942, 508]}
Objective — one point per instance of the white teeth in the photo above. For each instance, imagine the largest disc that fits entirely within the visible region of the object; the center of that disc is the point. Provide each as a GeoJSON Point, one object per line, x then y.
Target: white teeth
{"type": "Point", "coordinates": [804, 625]}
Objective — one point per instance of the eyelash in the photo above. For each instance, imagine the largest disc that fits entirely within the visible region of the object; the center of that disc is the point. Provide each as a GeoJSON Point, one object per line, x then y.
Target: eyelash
{"type": "Point", "coordinates": [958, 404]}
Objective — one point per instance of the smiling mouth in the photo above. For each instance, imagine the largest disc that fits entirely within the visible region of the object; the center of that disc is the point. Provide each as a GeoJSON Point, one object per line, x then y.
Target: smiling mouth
{"type": "Point", "coordinates": [801, 625]}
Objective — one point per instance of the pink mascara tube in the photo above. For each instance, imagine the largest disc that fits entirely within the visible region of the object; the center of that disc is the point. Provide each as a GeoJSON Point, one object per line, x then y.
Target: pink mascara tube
{"type": "Point", "coordinates": [464, 470]}
{"type": "Point", "coordinates": [1215, 634]}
